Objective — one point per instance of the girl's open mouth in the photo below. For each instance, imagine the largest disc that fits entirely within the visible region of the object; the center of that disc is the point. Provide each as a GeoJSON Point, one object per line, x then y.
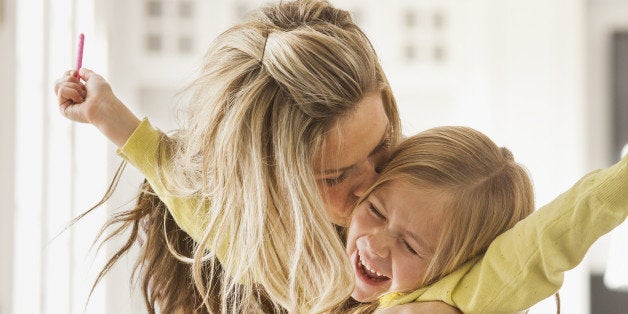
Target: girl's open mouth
{"type": "Point", "coordinates": [367, 273]}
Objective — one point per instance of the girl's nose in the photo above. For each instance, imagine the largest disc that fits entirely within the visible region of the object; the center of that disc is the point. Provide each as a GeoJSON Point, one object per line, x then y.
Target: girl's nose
{"type": "Point", "coordinates": [379, 244]}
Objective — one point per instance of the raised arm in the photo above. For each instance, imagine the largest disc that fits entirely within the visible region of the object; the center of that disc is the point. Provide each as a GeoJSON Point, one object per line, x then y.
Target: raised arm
{"type": "Point", "coordinates": [526, 264]}
{"type": "Point", "coordinates": [138, 142]}
{"type": "Point", "coordinates": [94, 102]}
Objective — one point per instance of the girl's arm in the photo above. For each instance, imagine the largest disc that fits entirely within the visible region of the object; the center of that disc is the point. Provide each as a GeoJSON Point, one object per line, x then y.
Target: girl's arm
{"type": "Point", "coordinates": [145, 148]}
{"type": "Point", "coordinates": [526, 264]}
{"type": "Point", "coordinates": [137, 141]}
{"type": "Point", "coordinates": [94, 102]}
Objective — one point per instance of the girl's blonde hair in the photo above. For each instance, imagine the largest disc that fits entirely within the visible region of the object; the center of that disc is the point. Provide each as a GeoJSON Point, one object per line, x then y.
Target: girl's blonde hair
{"type": "Point", "coordinates": [486, 191]}
{"type": "Point", "coordinates": [270, 89]}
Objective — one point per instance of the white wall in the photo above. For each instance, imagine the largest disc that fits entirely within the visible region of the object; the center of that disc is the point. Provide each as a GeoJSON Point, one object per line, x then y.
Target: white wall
{"type": "Point", "coordinates": [7, 114]}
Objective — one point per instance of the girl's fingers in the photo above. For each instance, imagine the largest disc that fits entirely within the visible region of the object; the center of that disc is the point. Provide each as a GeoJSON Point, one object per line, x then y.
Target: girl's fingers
{"type": "Point", "coordinates": [67, 109]}
{"type": "Point", "coordinates": [58, 85]}
{"type": "Point", "coordinates": [67, 92]}
{"type": "Point", "coordinates": [67, 79]}
{"type": "Point", "coordinates": [80, 88]}
{"type": "Point", "coordinates": [63, 106]}
{"type": "Point", "coordinates": [87, 74]}
{"type": "Point", "coordinates": [62, 100]}
{"type": "Point", "coordinates": [70, 91]}
{"type": "Point", "coordinates": [71, 110]}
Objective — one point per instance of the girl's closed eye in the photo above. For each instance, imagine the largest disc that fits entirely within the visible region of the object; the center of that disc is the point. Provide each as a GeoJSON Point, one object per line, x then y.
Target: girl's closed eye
{"type": "Point", "coordinates": [376, 212]}
{"type": "Point", "coordinates": [410, 249]}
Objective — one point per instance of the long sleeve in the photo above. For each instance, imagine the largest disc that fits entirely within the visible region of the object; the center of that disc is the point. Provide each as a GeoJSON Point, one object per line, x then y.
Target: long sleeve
{"type": "Point", "coordinates": [526, 264]}
{"type": "Point", "coordinates": [143, 150]}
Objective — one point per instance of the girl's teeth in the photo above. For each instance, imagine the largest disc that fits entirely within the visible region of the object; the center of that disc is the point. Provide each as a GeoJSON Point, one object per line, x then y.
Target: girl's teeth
{"type": "Point", "coordinates": [369, 268]}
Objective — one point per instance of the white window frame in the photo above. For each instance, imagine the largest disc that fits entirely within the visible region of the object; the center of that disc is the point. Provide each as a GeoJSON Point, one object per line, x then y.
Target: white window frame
{"type": "Point", "coordinates": [7, 113]}
{"type": "Point", "coordinates": [53, 169]}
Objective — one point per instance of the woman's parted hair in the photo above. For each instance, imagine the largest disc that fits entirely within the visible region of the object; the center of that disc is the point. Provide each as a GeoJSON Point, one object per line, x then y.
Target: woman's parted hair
{"type": "Point", "coordinates": [487, 192]}
{"type": "Point", "coordinates": [270, 89]}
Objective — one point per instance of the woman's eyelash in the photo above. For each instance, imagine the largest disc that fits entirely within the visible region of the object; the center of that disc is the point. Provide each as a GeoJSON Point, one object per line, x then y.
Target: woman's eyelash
{"type": "Point", "coordinates": [383, 146]}
{"type": "Point", "coordinates": [336, 180]}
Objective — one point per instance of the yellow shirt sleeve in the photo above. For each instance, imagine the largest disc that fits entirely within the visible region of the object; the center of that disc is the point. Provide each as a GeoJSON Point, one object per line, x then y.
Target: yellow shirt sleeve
{"type": "Point", "coordinates": [525, 264]}
{"type": "Point", "coordinates": [144, 149]}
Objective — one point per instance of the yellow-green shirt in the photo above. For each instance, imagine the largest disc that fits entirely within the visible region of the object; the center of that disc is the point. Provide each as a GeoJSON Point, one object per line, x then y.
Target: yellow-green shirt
{"type": "Point", "coordinates": [520, 268]}
{"type": "Point", "coordinates": [143, 151]}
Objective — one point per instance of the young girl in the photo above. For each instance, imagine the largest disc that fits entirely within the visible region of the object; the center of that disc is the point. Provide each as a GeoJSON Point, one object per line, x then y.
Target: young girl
{"type": "Point", "coordinates": [289, 118]}
{"type": "Point", "coordinates": [441, 202]}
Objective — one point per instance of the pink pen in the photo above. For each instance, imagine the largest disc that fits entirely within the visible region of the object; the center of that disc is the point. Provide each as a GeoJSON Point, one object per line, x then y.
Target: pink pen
{"type": "Point", "coordinates": [79, 54]}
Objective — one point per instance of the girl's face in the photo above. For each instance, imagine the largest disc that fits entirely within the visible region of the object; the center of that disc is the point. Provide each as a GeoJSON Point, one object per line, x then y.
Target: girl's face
{"type": "Point", "coordinates": [355, 147]}
{"type": "Point", "coordinates": [392, 238]}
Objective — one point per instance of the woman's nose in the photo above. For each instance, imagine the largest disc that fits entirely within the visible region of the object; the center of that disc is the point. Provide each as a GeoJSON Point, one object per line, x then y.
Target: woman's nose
{"type": "Point", "coordinates": [368, 175]}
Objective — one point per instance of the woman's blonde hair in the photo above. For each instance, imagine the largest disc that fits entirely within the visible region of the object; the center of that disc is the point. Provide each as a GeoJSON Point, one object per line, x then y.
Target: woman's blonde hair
{"type": "Point", "coordinates": [486, 191]}
{"type": "Point", "coordinates": [270, 89]}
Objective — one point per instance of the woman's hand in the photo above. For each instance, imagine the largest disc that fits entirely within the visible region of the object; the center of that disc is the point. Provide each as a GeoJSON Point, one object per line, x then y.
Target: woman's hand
{"type": "Point", "coordinates": [420, 308]}
{"type": "Point", "coordinates": [94, 102]}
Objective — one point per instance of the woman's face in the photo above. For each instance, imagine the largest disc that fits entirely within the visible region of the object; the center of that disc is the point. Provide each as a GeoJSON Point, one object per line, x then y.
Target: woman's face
{"type": "Point", "coordinates": [392, 238]}
{"type": "Point", "coordinates": [354, 148]}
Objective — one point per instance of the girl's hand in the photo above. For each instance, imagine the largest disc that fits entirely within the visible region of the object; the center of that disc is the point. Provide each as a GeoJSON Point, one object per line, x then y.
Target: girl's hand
{"type": "Point", "coordinates": [94, 102]}
{"type": "Point", "coordinates": [87, 102]}
{"type": "Point", "coordinates": [69, 91]}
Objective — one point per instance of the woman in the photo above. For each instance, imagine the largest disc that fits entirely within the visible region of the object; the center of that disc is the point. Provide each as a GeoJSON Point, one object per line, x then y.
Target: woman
{"type": "Point", "coordinates": [290, 115]}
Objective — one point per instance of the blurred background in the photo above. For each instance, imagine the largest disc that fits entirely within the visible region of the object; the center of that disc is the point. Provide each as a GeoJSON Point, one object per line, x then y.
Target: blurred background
{"type": "Point", "coordinates": [548, 79]}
